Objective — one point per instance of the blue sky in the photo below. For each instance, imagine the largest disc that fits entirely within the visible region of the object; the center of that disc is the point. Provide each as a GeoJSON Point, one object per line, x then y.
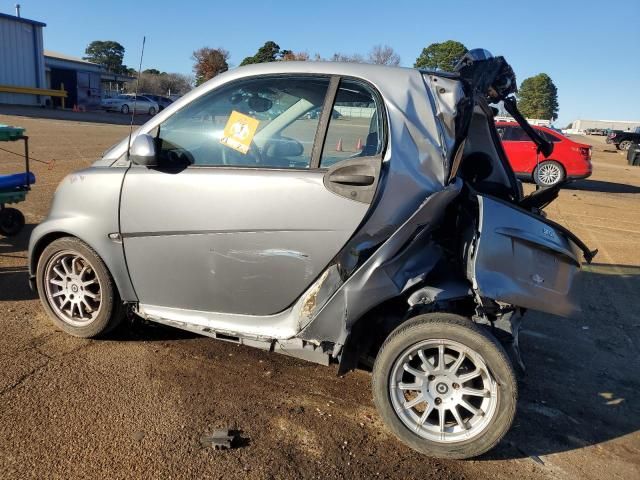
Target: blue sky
{"type": "Point", "coordinates": [591, 50]}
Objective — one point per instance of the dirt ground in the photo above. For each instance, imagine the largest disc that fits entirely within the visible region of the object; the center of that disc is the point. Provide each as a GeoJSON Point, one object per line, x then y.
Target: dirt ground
{"type": "Point", "coordinates": [136, 404]}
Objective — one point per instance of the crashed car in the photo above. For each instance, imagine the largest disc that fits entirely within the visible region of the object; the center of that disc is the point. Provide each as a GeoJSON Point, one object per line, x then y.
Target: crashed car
{"type": "Point", "coordinates": [395, 237]}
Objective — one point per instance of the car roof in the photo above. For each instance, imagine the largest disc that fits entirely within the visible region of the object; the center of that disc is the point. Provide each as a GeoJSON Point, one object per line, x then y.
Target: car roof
{"type": "Point", "coordinates": [335, 68]}
{"type": "Point", "coordinates": [503, 123]}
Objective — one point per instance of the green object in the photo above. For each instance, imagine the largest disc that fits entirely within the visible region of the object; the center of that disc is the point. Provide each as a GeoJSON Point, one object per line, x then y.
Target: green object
{"type": "Point", "coordinates": [10, 134]}
{"type": "Point", "coordinates": [12, 197]}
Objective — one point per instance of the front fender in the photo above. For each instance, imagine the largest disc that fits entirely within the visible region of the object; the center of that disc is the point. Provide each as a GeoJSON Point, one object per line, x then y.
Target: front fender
{"type": "Point", "coordinates": [85, 206]}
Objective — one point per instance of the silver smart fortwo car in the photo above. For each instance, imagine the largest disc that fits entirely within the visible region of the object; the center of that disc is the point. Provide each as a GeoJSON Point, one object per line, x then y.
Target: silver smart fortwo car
{"type": "Point", "coordinates": [393, 235]}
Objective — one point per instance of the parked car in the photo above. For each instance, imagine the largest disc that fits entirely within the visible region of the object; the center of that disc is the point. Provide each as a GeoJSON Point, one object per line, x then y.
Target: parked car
{"type": "Point", "coordinates": [125, 103]}
{"type": "Point", "coordinates": [315, 113]}
{"type": "Point", "coordinates": [163, 102]}
{"type": "Point", "coordinates": [623, 140]}
{"type": "Point", "coordinates": [596, 131]}
{"type": "Point", "coordinates": [633, 155]}
{"type": "Point", "coordinates": [609, 136]}
{"type": "Point", "coordinates": [418, 250]}
{"type": "Point", "coordinates": [570, 160]}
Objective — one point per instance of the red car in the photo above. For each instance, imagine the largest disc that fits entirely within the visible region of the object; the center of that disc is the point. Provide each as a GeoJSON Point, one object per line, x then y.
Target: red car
{"type": "Point", "coordinates": [569, 160]}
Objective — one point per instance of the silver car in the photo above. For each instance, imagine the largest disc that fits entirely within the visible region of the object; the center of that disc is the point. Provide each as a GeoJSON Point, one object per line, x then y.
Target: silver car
{"type": "Point", "coordinates": [127, 103]}
{"type": "Point", "coordinates": [395, 236]}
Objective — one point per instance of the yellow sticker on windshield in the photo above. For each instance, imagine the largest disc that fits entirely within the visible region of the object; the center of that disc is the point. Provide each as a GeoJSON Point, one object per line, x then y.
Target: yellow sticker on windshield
{"type": "Point", "coordinates": [239, 132]}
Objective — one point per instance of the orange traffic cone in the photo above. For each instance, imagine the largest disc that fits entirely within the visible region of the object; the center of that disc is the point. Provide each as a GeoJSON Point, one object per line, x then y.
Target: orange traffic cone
{"type": "Point", "coordinates": [75, 107]}
{"type": "Point", "coordinates": [359, 144]}
{"type": "Point", "coordinates": [339, 145]}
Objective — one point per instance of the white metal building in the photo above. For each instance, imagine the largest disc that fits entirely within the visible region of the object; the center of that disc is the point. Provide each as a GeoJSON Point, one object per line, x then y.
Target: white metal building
{"type": "Point", "coordinates": [21, 58]}
{"type": "Point", "coordinates": [532, 121]}
{"type": "Point", "coordinates": [624, 125]}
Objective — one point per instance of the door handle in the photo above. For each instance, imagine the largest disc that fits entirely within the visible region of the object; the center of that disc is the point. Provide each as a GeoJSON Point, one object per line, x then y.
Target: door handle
{"type": "Point", "coordinates": [346, 179]}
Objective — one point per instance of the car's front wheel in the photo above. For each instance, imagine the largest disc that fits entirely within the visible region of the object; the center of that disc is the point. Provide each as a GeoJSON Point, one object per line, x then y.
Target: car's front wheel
{"type": "Point", "coordinates": [76, 289]}
{"type": "Point", "coordinates": [548, 174]}
{"type": "Point", "coordinates": [444, 386]}
{"type": "Point", "coordinates": [125, 109]}
{"type": "Point", "coordinates": [624, 145]}
{"type": "Point", "coordinates": [152, 111]}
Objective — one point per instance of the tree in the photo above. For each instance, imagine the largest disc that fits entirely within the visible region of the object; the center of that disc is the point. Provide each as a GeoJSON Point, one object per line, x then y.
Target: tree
{"type": "Point", "coordinates": [384, 55]}
{"type": "Point", "coordinates": [269, 52]}
{"type": "Point", "coordinates": [107, 53]}
{"type": "Point", "coordinates": [443, 56]}
{"type": "Point", "coordinates": [209, 63]}
{"type": "Point", "coordinates": [152, 71]}
{"type": "Point", "coordinates": [290, 56]}
{"type": "Point", "coordinates": [163, 84]}
{"type": "Point", "coordinates": [538, 97]}
{"type": "Point", "coordinates": [342, 57]}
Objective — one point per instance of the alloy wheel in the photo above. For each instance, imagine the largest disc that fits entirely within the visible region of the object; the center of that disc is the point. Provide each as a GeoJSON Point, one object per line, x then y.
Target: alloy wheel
{"type": "Point", "coordinates": [73, 288]}
{"type": "Point", "coordinates": [443, 391]}
{"type": "Point", "coordinates": [549, 174]}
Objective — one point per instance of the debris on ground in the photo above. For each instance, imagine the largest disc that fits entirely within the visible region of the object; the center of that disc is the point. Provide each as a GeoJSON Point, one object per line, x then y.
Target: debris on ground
{"type": "Point", "coordinates": [219, 439]}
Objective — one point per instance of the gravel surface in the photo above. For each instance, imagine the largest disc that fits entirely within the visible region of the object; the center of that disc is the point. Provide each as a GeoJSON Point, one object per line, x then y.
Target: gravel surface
{"type": "Point", "coordinates": [136, 404]}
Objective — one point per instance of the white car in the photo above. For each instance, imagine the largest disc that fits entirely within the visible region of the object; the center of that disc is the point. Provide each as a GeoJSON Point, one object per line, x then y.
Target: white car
{"type": "Point", "coordinates": [126, 103]}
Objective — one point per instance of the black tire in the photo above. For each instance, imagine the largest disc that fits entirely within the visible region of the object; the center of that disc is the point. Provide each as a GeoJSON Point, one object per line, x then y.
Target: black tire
{"type": "Point", "coordinates": [124, 109]}
{"type": "Point", "coordinates": [463, 331]}
{"type": "Point", "coordinates": [111, 309]}
{"type": "Point", "coordinates": [11, 221]}
{"type": "Point", "coordinates": [152, 111]}
{"type": "Point", "coordinates": [541, 168]}
{"type": "Point", "coordinates": [624, 145]}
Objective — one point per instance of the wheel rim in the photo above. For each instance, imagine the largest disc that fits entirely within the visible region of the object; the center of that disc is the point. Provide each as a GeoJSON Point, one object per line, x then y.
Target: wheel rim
{"type": "Point", "coordinates": [73, 288]}
{"type": "Point", "coordinates": [443, 391]}
{"type": "Point", "coordinates": [549, 174]}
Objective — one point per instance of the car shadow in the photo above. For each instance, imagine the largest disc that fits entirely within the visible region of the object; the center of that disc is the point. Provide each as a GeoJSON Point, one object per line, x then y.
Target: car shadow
{"type": "Point", "coordinates": [135, 329]}
{"type": "Point", "coordinates": [601, 186]}
{"type": "Point", "coordinates": [14, 274]}
{"type": "Point", "coordinates": [581, 384]}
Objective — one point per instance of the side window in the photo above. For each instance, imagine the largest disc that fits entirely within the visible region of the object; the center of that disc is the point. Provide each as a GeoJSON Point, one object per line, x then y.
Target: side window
{"type": "Point", "coordinates": [517, 134]}
{"type": "Point", "coordinates": [548, 136]}
{"type": "Point", "coordinates": [355, 128]}
{"type": "Point", "coordinates": [259, 122]}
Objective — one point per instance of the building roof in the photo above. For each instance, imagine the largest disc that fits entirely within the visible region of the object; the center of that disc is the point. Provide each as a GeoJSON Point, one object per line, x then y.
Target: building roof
{"type": "Point", "coordinates": [68, 58]}
{"type": "Point", "coordinates": [22, 20]}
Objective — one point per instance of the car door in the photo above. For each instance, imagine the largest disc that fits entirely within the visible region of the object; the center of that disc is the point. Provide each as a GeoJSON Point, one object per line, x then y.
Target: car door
{"type": "Point", "coordinates": [246, 209]}
{"type": "Point", "coordinates": [142, 104]}
{"type": "Point", "coordinates": [520, 150]}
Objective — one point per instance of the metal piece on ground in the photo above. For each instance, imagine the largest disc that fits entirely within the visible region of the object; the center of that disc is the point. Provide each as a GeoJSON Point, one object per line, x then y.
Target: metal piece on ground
{"type": "Point", "coordinates": [218, 439]}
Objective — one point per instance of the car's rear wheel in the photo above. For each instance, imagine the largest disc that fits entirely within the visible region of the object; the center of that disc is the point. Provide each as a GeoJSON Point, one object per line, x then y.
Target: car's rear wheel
{"type": "Point", "coordinates": [11, 221]}
{"type": "Point", "coordinates": [624, 145]}
{"type": "Point", "coordinates": [152, 111]}
{"type": "Point", "coordinates": [548, 174]}
{"type": "Point", "coordinates": [444, 386]}
{"type": "Point", "coordinates": [76, 289]}
{"type": "Point", "coordinates": [124, 109]}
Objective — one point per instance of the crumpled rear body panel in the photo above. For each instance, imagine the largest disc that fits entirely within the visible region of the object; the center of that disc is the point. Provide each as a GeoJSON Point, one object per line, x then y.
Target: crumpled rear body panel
{"type": "Point", "coordinates": [520, 259]}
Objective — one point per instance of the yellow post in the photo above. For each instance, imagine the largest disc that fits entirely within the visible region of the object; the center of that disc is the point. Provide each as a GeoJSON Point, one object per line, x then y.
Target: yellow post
{"type": "Point", "coordinates": [62, 97]}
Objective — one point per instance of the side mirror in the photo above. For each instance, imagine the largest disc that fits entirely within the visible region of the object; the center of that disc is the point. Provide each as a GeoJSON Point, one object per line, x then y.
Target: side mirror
{"type": "Point", "coordinates": [143, 151]}
{"type": "Point", "coordinates": [284, 147]}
